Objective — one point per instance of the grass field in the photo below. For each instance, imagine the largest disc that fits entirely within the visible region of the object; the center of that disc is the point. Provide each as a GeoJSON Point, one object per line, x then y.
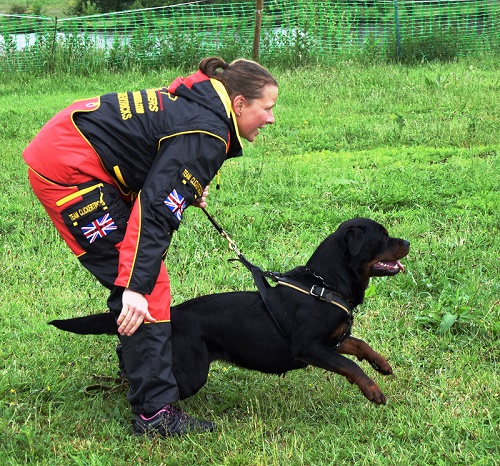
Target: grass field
{"type": "Point", "coordinates": [416, 149]}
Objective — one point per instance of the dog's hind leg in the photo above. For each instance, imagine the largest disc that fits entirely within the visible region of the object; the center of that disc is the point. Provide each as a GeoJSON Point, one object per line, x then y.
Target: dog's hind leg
{"type": "Point", "coordinates": [362, 351]}
{"type": "Point", "coordinates": [191, 366]}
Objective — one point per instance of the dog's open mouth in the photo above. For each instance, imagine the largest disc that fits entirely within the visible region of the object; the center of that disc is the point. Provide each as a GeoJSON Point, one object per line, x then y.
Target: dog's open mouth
{"type": "Point", "coordinates": [382, 268]}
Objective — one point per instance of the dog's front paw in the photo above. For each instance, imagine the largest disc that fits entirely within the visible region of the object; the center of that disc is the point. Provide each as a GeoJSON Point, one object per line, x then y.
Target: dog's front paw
{"type": "Point", "coordinates": [373, 393]}
{"type": "Point", "coordinates": [381, 365]}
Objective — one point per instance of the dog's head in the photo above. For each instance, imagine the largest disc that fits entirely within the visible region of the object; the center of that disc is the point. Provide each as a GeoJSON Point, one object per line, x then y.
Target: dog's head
{"type": "Point", "coordinates": [371, 248]}
{"type": "Point", "coordinates": [360, 248]}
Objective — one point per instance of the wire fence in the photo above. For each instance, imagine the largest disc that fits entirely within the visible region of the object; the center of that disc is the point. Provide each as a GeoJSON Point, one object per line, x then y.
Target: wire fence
{"type": "Point", "coordinates": [292, 33]}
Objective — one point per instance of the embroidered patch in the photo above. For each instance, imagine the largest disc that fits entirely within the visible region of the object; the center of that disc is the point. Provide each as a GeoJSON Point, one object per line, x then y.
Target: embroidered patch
{"type": "Point", "coordinates": [188, 176]}
{"type": "Point", "coordinates": [176, 203]}
{"type": "Point", "coordinates": [99, 228]}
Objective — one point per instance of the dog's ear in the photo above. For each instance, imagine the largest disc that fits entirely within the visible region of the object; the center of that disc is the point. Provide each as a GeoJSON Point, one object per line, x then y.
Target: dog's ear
{"type": "Point", "coordinates": [354, 238]}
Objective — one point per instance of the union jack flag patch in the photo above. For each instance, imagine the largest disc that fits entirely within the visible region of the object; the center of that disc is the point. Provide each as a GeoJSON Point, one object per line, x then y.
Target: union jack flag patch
{"type": "Point", "coordinates": [176, 203]}
{"type": "Point", "coordinates": [99, 228]}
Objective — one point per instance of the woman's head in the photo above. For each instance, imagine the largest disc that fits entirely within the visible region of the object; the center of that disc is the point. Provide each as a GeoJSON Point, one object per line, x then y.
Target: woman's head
{"type": "Point", "coordinates": [240, 77]}
{"type": "Point", "coordinates": [252, 89]}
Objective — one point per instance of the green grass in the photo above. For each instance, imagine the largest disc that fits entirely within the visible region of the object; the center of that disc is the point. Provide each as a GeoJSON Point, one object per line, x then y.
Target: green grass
{"type": "Point", "coordinates": [416, 149]}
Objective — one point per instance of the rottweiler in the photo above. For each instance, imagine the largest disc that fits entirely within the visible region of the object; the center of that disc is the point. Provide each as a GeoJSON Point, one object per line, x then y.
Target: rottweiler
{"type": "Point", "coordinates": [305, 319]}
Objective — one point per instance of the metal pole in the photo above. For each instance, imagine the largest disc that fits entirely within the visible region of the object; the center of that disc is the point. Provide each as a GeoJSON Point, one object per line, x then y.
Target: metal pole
{"type": "Point", "coordinates": [258, 26]}
{"type": "Point", "coordinates": [398, 35]}
{"type": "Point", "coordinates": [53, 47]}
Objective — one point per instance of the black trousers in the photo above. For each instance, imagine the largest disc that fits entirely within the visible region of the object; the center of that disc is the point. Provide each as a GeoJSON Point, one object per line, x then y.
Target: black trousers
{"type": "Point", "coordinates": [147, 360]}
{"type": "Point", "coordinates": [147, 354]}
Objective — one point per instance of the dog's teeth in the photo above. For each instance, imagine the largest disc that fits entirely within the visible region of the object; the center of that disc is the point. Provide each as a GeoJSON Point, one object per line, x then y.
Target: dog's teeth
{"type": "Point", "coordinates": [392, 265]}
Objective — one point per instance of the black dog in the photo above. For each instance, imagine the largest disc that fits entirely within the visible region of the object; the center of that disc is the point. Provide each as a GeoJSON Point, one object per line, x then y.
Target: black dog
{"type": "Point", "coordinates": [294, 327]}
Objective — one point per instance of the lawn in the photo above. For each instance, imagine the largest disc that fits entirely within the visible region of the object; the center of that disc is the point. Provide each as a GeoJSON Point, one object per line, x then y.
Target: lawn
{"type": "Point", "coordinates": [415, 148]}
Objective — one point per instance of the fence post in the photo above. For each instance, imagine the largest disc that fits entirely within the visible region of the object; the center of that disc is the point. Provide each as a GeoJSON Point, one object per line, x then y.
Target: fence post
{"type": "Point", "coordinates": [258, 26]}
{"type": "Point", "coordinates": [51, 65]}
{"type": "Point", "coordinates": [398, 34]}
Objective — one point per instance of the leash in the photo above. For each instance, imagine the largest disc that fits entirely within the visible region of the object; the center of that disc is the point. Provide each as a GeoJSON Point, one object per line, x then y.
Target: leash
{"type": "Point", "coordinates": [119, 384]}
{"type": "Point", "coordinates": [232, 245]}
{"type": "Point", "coordinates": [260, 276]}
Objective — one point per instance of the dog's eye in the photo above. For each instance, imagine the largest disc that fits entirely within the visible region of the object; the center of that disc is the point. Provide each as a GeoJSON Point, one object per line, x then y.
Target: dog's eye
{"type": "Point", "coordinates": [386, 234]}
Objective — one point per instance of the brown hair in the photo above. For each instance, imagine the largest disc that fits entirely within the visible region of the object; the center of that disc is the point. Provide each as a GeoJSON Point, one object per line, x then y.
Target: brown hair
{"type": "Point", "coordinates": [240, 77]}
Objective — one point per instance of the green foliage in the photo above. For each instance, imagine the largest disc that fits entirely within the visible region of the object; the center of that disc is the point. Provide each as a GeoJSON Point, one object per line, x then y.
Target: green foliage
{"type": "Point", "coordinates": [34, 8]}
{"type": "Point", "coordinates": [82, 8]}
{"type": "Point", "coordinates": [88, 7]}
{"type": "Point", "coordinates": [431, 44]}
{"type": "Point", "coordinates": [414, 147]}
{"type": "Point", "coordinates": [18, 9]}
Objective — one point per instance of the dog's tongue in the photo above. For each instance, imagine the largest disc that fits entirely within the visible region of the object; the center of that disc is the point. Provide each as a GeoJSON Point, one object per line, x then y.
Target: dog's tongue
{"type": "Point", "coordinates": [391, 265]}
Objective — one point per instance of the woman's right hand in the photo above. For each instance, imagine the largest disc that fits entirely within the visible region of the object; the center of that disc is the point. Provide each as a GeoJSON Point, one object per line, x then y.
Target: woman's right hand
{"type": "Point", "coordinates": [202, 201]}
{"type": "Point", "coordinates": [134, 312]}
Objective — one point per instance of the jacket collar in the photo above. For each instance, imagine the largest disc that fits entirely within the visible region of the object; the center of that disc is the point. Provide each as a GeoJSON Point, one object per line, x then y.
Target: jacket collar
{"type": "Point", "coordinates": [226, 101]}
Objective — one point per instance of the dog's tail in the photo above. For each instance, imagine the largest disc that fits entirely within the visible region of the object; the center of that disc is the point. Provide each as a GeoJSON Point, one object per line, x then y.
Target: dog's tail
{"type": "Point", "coordinates": [95, 324]}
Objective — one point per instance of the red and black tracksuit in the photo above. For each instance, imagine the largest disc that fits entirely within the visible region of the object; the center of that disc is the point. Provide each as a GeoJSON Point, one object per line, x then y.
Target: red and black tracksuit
{"type": "Point", "coordinates": [115, 174]}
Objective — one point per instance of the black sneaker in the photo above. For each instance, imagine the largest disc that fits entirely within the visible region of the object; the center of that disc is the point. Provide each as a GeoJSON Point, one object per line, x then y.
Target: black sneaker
{"type": "Point", "coordinates": [170, 420]}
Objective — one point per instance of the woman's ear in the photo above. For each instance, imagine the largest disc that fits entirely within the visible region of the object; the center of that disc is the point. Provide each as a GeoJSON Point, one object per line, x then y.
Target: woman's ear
{"type": "Point", "coordinates": [238, 104]}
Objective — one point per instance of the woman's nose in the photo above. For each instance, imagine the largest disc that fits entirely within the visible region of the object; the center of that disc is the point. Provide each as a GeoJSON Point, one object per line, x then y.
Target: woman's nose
{"type": "Point", "coordinates": [270, 118]}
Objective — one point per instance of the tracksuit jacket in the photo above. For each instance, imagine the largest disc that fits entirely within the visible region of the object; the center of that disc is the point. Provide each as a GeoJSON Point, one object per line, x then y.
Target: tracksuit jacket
{"type": "Point", "coordinates": [161, 145]}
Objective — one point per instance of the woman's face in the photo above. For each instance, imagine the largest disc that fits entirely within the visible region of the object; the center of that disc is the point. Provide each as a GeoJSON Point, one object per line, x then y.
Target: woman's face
{"type": "Point", "coordinates": [252, 115]}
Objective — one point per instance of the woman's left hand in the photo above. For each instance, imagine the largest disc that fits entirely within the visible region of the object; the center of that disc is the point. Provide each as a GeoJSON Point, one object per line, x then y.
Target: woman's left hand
{"type": "Point", "coordinates": [202, 201]}
{"type": "Point", "coordinates": [134, 312]}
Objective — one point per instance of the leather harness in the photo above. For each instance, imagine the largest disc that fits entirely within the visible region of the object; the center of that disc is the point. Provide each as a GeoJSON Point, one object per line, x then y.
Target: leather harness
{"type": "Point", "coordinates": [260, 278]}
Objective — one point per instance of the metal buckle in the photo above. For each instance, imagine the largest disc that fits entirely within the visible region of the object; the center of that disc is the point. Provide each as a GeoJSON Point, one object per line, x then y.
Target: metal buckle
{"type": "Point", "coordinates": [313, 293]}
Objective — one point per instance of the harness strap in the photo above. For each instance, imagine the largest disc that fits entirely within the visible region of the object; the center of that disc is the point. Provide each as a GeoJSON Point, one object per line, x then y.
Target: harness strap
{"type": "Point", "coordinates": [263, 287]}
{"type": "Point", "coordinates": [320, 292]}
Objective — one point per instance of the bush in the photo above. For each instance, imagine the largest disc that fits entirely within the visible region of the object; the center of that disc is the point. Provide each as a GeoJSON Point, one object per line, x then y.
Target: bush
{"type": "Point", "coordinates": [36, 8]}
{"type": "Point", "coordinates": [438, 45]}
{"type": "Point", "coordinates": [82, 8]}
{"type": "Point", "coordinates": [17, 9]}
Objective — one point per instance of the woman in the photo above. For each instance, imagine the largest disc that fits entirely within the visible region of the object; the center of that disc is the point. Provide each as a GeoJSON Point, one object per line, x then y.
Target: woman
{"type": "Point", "coordinates": [115, 174]}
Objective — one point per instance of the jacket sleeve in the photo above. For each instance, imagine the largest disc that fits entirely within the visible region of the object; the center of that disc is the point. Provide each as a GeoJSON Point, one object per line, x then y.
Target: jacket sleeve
{"type": "Point", "coordinates": [184, 165]}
